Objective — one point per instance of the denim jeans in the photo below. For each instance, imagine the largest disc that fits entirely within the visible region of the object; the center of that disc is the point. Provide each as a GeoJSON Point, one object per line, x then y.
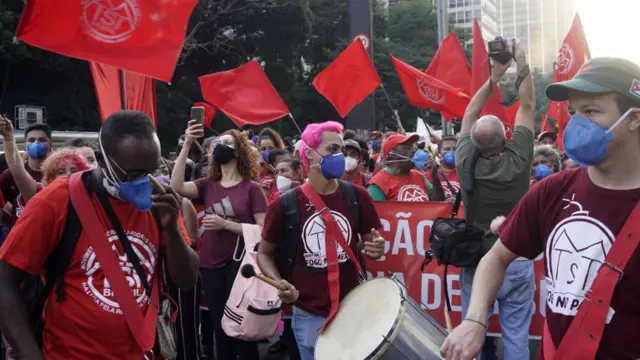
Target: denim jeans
{"type": "Point", "coordinates": [305, 328]}
{"type": "Point", "coordinates": [515, 306]}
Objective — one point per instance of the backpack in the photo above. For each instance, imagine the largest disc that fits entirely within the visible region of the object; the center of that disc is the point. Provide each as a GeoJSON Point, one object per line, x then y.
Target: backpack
{"type": "Point", "coordinates": [253, 309]}
{"type": "Point", "coordinates": [287, 250]}
{"type": "Point", "coordinates": [34, 291]}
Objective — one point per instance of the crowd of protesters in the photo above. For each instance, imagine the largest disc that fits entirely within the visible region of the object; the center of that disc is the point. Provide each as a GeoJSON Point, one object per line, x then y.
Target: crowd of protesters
{"type": "Point", "coordinates": [241, 178]}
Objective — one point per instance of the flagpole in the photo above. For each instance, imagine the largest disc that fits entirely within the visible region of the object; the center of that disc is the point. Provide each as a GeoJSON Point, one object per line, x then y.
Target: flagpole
{"type": "Point", "coordinates": [386, 95]}
{"type": "Point", "coordinates": [123, 90]}
{"type": "Point", "coordinates": [295, 123]}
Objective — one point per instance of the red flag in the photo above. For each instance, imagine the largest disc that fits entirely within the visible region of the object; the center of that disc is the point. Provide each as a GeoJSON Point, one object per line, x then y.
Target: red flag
{"type": "Point", "coordinates": [480, 74]}
{"type": "Point", "coordinates": [455, 69]}
{"type": "Point", "coordinates": [143, 36]}
{"type": "Point", "coordinates": [140, 91]}
{"type": "Point", "coordinates": [573, 53]}
{"type": "Point", "coordinates": [425, 91]}
{"type": "Point", "coordinates": [244, 94]}
{"type": "Point", "coordinates": [209, 113]}
{"type": "Point", "coordinates": [544, 124]}
{"type": "Point", "coordinates": [349, 79]}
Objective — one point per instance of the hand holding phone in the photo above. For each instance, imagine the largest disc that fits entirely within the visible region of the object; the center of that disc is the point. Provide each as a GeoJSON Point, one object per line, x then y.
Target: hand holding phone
{"type": "Point", "coordinates": [197, 114]}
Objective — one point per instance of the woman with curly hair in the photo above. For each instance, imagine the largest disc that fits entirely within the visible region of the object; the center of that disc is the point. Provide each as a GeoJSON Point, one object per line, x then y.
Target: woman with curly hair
{"type": "Point", "coordinates": [231, 197]}
{"type": "Point", "coordinates": [268, 140]}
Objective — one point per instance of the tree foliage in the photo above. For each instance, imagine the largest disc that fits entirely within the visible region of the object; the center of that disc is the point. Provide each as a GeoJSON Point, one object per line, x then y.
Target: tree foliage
{"type": "Point", "coordinates": [293, 39]}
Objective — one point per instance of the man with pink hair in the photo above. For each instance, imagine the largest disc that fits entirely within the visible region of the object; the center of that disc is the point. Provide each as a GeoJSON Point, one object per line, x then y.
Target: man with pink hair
{"type": "Point", "coordinates": [294, 250]}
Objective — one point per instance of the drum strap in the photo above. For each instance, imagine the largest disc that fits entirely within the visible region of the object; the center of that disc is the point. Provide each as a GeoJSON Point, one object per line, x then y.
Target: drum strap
{"type": "Point", "coordinates": [583, 337]}
{"type": "Point", "coordinates": [333, 238]}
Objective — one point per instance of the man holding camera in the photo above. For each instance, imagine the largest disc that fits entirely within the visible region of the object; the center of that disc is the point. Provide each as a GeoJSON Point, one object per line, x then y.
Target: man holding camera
{"type": "Point", "coordinates": [492, 188]}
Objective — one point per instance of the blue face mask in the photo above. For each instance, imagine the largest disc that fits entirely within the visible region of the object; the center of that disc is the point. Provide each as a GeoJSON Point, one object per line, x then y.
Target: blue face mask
{"type": "Point", "coordinates": [449, 159]}
{"type": "Point", "coordinates": [137, 192]}
{"type": "Point", "coordinates": [419, 159]}
{"type": "Point", "coordinates": [542, 171]}
{"type": "Point", "coordinates": [265, 156]}
{"type": "Point", "coordinates": [586, 142]}
{"type": "Point", "coordinates": [375, 145]}
{"type": "Point", "coordinates": [37, 150]}
{"type": "Point", "coordinates": [332, 166]}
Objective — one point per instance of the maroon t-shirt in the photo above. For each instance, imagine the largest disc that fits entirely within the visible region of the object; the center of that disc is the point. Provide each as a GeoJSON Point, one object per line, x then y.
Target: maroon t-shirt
{"type": "Point", "coordinates": [10, 190]}
{"type": "Point", "coordinates": [308, 275]}
{"type": "Point", "coordinates": [575, 223]}
{"type": "Point", "coordinates": [238, 203]}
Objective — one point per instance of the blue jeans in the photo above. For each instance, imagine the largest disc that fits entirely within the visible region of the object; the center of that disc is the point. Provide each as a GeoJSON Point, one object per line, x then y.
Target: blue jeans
{"type": "Point", "coordinates": [515, 306]}
{"type": "Point", "coordinates": [305, 328]}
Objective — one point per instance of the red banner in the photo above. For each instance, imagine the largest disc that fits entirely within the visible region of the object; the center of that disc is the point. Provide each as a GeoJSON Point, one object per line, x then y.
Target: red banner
{"type": "Point", "coordinates": [406, 228]}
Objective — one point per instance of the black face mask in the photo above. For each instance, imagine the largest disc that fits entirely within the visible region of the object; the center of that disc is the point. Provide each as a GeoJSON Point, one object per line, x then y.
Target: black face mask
{"type": "Point", "coordinates": [222, 154]}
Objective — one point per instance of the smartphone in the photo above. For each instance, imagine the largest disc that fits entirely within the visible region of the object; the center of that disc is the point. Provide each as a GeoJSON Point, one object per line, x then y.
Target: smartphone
{"type": "Point", "coordinates": [197, 113]}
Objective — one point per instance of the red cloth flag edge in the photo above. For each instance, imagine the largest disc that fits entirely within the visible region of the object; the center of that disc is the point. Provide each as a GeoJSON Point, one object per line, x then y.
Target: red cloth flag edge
{"type": "Point", "coordinates": [425, 91]}
{"type": "Point", "coordinates": [480, 75]}
{"type": "Point", "coordinates": [209, 113]}
{"type": "Point", "coordinates": [245, 94]}
{"type": "Point", "coordinates": [140, 91]}
{"type": "Point", "coordinates": [573, 53]}
{"type": "Point", "coordinates": [349, 79]}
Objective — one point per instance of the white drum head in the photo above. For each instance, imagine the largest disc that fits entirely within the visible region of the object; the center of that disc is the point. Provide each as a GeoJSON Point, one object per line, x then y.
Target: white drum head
{"type": "Point", "coordinates": [365, 316]}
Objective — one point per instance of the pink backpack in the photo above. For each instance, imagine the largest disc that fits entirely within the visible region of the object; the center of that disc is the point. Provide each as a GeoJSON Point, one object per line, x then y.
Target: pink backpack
{"type": "Point", "coordinates": [254, 309]}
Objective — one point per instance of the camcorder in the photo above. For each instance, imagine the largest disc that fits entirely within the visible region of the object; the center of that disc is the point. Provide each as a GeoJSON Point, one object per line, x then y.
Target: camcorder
{"type": "Point", "coordinates": [499, 50]}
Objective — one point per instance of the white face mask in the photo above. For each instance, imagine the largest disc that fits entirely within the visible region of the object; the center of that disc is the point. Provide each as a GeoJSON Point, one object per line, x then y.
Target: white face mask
{"type": "Point", "coordinates": [350, 163]}
{"type": "Point", "coordinates": [283, 183]}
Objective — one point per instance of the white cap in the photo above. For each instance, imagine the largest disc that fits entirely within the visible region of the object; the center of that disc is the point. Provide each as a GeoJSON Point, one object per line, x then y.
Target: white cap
{"type": "Point", "coordinates": [296, 147]}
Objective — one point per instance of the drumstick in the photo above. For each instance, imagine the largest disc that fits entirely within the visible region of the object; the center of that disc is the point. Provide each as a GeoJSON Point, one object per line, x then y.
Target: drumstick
{"type": "Point", "coordinates": [248, 272]}
{"type": "Point", "coordinates": [447, 319]}
{"type": "Point", "coordinates": [157, 185]}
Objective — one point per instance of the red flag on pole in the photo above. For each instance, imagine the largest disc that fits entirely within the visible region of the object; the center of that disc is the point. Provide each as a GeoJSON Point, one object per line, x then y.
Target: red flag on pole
{"type": "Point", "coordinates": [455, 69]}
{"type": "Point", "coordinates": [480, 75]}
{"type": "Point", "coordinates": [245, 94]}
{"type": "Point", "coordinates": [573, 53]}
{"type": "Point", "coordinates": [140, 91]}
{"type": "Point", "coordinates": [349, 79]}
{"type": "Point", "coordinates": [425, 91]}
{"type": "Point", "coordinates": [544, 124]}
{"type": "Point", "coordinates": [143, 36]}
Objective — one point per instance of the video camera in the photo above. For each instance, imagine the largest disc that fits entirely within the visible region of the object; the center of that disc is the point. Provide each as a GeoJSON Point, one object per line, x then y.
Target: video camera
{"type": "Point", "coordinates": [499, 50]}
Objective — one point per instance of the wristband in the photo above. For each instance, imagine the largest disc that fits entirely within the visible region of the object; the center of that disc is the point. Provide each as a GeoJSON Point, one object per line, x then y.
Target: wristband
{"type": "Point", "coordinates": [478, 322]}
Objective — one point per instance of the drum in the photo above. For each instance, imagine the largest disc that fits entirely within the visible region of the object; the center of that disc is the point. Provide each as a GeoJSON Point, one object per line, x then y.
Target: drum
{"type": "Point", "coordinates": [378, 320]}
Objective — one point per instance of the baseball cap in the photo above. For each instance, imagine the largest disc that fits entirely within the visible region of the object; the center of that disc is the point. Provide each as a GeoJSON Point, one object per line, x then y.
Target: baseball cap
{"type": "Point", "coordinates": [394, 140]}
{"type": "Point", "coordinates": [353, 144]}
{"type": "Point", "coordinates": [375, 133]}
{"type": "Point", "coordinates": [548, 134]}
{"type": "Point", "coordinates": [600, 76]}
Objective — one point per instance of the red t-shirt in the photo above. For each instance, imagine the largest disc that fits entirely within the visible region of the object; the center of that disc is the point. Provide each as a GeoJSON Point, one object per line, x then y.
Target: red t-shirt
{"type": "Point", "coordinates": [411, 188]}
{"type": "Point", "coordinates": [309, 275]}
{"type": "Point", "coordinates": [9, 189]}
{"type": "Point", "coordinates": [89, 324]}
{"type": "Point", "coordinates": [574, 222]}
{"type": "Point", "coordinates": [21, 203]}
{"type": "Point", "coordinates": [451, 179]}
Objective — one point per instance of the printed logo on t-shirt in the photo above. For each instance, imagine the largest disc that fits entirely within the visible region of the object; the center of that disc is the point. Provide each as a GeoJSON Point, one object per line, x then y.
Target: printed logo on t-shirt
{"type": "Point", "coordinates": [450, 191]}
{"type": "Point", "coordinates": [412, 193]}
{"type": "Point", "coordinates": [576, 249]}
{"type": "Point", "coordinates": [97, 287]}
{"type": "Point", "coordinates": [313, 238]}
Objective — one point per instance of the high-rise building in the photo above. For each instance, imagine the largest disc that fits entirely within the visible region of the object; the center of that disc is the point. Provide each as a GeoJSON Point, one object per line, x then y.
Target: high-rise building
{"type": "Point", "coordinates": [462, 12]}
{"type": "Point", "coordinates": [540, 25]}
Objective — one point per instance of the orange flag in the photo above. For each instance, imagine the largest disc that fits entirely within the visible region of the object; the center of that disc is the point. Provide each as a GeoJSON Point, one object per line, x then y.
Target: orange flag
{"type": "Point", "coordinates": [450, 65]}
{"type": "Point", "coordinates": [573, 53]}
{"type": "Point", "coordinates": [480, 74]}
{"type": "Point", "coordinates": [349, 79]}
{"type": "Point", "coordinates": [425, 91]}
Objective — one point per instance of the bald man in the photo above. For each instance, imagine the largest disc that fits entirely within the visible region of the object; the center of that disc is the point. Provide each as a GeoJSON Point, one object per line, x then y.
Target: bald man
{"type": "Point", "coordinates": [500, 179]}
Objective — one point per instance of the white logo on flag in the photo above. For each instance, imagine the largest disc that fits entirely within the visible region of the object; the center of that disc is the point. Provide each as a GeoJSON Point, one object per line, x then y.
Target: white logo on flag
{"type": "Point", "coordinates": [110, 21]}
{"type": "Point", "coordinates": [430, 92]}
{"type": "Point", "coordinates": [565, 60]}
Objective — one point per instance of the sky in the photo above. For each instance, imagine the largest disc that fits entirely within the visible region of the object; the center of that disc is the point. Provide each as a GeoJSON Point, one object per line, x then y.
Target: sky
{"type": "Point", "coordinates": [611, 27]}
